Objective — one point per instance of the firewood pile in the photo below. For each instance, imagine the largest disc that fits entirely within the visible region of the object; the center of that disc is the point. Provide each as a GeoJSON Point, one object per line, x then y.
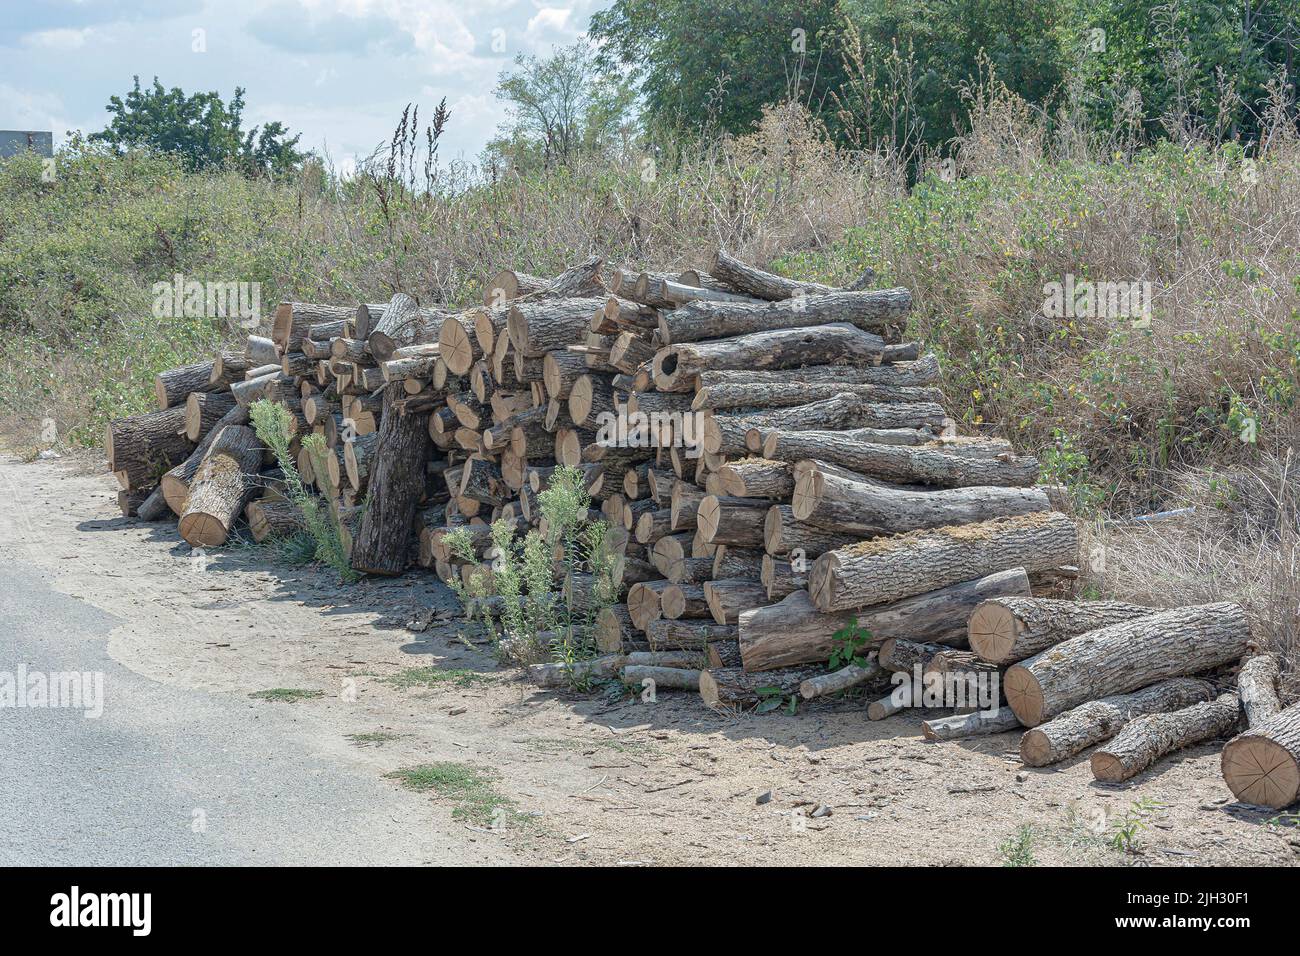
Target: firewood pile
{"type": "Point", "coordinates": [782, 476]}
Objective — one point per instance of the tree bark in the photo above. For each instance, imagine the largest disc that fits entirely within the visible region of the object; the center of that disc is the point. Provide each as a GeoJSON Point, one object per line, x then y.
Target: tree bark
{"type": "Point", "coordinates": [662, 678]}
{"type": "Point", "coordinates": [878, 312]}
{"type": "Point", "coordinates": [396, 484]}
{"type": "Point", "coordinates": [545, 325]}
{"type": "Point", "coordinates": [1124, 657]}
{"type": "Point", "coordinates": [727, 598]}
{"type": "Point", "coordinates": [732, 521]}
{"type": "Point", "coordinates": [143, 447]}
{"type": "Point", "coordinates": [224, 483]}
{"type": "Point", "coordinates": [1006, 630]}
{"type": "Point", "coordinates": [1262, 765]}
{"type": "Point", "coordinates": [1257, 685]}
{"type": "Point", "coordinates": [729, 434]}
{"type": "Point", "coordinates": [784, 535]}
{"type": "Point", "coordinates": [920, 372]}
{"type": "Point", "coordinates": [887, 569]}
{"type": "Point", "coordinates": [870, 508]}
{"type": "Point", "coordinates": [759, 283]}
{"type": "Point", "coordinates": [786, 394]}
{"type": "Point", "coordinates": [935, 463]}
{"type": "Point", "coordinates": [975, 724]}
{"type": "Point", "coordinates": [666, 634]}
{"type": "Point", "coordinates": [1148, 738]}
{"type": "Point", "coordinates": [175, 385]}
{"type": "Point", "coordinates": [793, 631]}
{"type": "Point", "coordinates": [758, 478]}
{"type": "Point", "coordinates": [1078, 729]}
{"type": "Point", "coordinates": [851, 675]}
{"type": "Point", "coordinates": [675, 367]}
{"type": "Point", "coordinates": [733, 687]}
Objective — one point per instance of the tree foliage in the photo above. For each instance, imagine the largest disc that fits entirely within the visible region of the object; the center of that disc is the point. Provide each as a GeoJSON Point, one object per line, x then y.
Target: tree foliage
{"type": "Point", "coordinates": [202, 129]}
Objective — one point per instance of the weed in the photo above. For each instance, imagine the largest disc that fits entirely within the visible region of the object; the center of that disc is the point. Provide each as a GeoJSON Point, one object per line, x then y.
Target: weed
{"type": "Point", "coordinates": [1126, 832]}
{"type": "Point", "coordinates": [469, 788]}
{"type": "Point", "coordinates": [373, 738]}
{"type": "Point", "coordinates": [435, 676]}
{"type": "Point", "coordinates": [1019, 849]}
{"type": "Point", "coordinates": [287, 695]}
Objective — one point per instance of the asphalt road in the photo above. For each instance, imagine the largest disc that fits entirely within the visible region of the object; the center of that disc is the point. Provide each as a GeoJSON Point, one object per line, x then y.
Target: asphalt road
{"type": "Point", "coordinates": [170, 776]}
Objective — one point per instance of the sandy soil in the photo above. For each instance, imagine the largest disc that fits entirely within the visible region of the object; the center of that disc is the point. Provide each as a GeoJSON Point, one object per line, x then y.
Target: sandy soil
{"type": "Point", "coordinates": [600, 778]}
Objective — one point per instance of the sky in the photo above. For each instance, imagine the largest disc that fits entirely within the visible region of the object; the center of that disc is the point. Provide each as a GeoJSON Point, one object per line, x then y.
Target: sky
{"type": "Point", "coordinates": [337, 71]}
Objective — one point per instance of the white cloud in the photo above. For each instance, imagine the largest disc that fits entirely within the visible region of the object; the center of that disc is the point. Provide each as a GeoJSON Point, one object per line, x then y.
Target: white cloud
{"type": "Point", "coordinates": [61, 40]}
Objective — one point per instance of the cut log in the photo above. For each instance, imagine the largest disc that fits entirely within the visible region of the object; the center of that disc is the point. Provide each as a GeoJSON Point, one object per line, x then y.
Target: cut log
{"type": "Point", "coordinates": [1096, 720]}
{"type": "Point", "coordinates": [661, 678]}
{"type": "Point", "coordinates": [783, 535]}
{"type": "Point", "coordinates": [153, 507]}
{"type": "Point", "coordinates": [879, 312]}
{"type": "Point", "coordinates": [457, 344]}
{"type": "Point", "coordinates": [270, 519]}
{"type": "Point", "coordinates": [726, 599]}
{"type": "Point", "coordinates": [759, 283]}
{"type": "Point", "coordinates": [175, 483]}
{"type": "Point", "coordinates": [396, 485]}
{"type": "Point", "coordinates": [223, 484]}
{"type": "Point", "coordinates": [508, 284]}
{"type": "Point", "coordinates": [1262, 765]}
{"type": "Point", "coordinates": [733, 687]}
{"type": "Point", "coordinates": [793, 631]}
{"type": "Point", "coordinates": [944, 466]}
{"type": "Point", "coordinates": [1148, 738]}
{"type": "Point", "coordinates": [869, 508]}
{"type": "Point", "coordinates": [685, 601]}
{"type": "Point", "coordinates": [731, 434]}
{"type": "Point", "coordinates": [645, 602]}
{"type": "Point", "coordinates": [674, 368]}
{"type": "Point", "coordinates": [848, 676]}
{"type": "Point", "coordinates": [758, 478]}
{"type": "Point", "coordinates": [887, 569]}
{"type": "Point", "coordinates": [668, 634]}
{"type": "Point", "coordinates": [175, 385]}
{"type": "Point", "coordinates": [559, 675]}
{"type": "Point", "coordinates": [923, 371]}
{"type": "Point", "coordinates": [203, 410]}
{"type": "Point", "coordinates": [1006, 630]}
{"type": "Point", "coordinates": [1124, 657]}
{"type": "Point", "coordinates": [545, 325]}
{"type": "Point", "coordinates": [903, 656]}
{"type": "Point", "coordinates": [732, 521]}
{"type": "Point", "coordinates": [975, 724]}
{"type": "Point", "coordinates": [1257, 685]}
{"type": "Point", "coordinates": [142, 447]}
{"type": "Point", "coordinates": [787, 394]}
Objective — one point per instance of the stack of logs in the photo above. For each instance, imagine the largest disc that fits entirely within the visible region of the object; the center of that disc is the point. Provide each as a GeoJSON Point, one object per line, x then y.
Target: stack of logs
{"type": "Point", "coordinates": [783, 470]}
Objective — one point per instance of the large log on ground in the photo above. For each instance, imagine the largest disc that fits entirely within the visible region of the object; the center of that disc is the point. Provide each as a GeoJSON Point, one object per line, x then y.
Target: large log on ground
{"type": "Point", "coordinates": [888, 569]}
{"type": "Point", "coordinates": [851, 675]}
{"type": "Point", "coordinates": [175, 483]}
{"type": "Point", "coordinates": [793, 631]}
{"type": "Point", "coordinates": [922, 371]}
{"type": "Point", "coordinates": [224, 483]}
{"type": "Point", "coordinates": [733, 687]}
{"type": "Point", "coordinates": [786, 394]}
{"type": "Point", "coordinates": [1257, 685]}
{"type": "Point", "coordinates": [674, 368]}
{"type": "Point", "coordinates": [759, 283]}
{"type": "Point", "coordinates": [1262, 765]}
{"type": "Point", "coordinates": [877, 311]}
{"type": "Point", "coordinates": [869, 508]}
{"type": "Point", "coordinates": [975, 724]}
{"type": "Point", "coordinates": [545, 325]}
{"type": "Point", "coordinates": [174, 385]}
{"type": "Point", "coordinates": [1006, 630]}
{"type": "Point", "coordinates": [1096, 720]}
{"type": "Point", "coordinates": [1124, 657]}
{"type": "Point", "coordinates": [661, 678]}
{"type": "Point", "coordinates": [1148, 738]}
{"type": "Point", "coordinates": [396, 484]}
{"type": "Point", "coordinates": [935, 463]}
{"type": "Point", "coordinates": [142, 447]}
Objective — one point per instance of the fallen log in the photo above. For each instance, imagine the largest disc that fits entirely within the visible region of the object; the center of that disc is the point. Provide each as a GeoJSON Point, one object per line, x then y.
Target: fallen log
{"type": "Point", "coordinates": [1091, 722]}
{"type": "Point", "coordinates": [888, 569]}
{"type": "Point", "coordinates": [727, 598]}
{"type": "Point", "coordinates": [878, 311]}
{"type": "Point", "coordinates": [1124, 657]}
{"type": "Point", "coordinates": [871, 508]}
{"type": "Point", "coordinates": [787, 394]}
{"type": "Point", "coordinates": [223, 484]}
{"type": "Point", "coordinates": [933, 463]}
{"type": "Point", "coordinates": [851, 675]}
{"type": "Point", "coordinates": [1006, 630]}
{"type": "Point", "coordinates": [1151, 736]}
{"type": "Point", "coordinates": [1257, 685]}
{"type": "Point", "coordinates": [674, 368]}
{"type": "Point", "coordinates": [745, 278]}
{"type": "Point", "coordinates": [733, 687]}
{"type": "Point", "coordinates": [661, 678]}
{"type": "Point", "coordinates": [142, 448]}
{"type": "Point", "coordinates": [175, 385]}
{"type": "Point", "coordinates": [1262, 765]}
{"type": "Point", "coordinates": [686, 635]}
{"type": "Point", "coordinates": [975, 724]}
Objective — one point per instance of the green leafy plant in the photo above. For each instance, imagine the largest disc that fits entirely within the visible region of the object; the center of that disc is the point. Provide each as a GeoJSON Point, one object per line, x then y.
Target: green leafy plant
{"type": "Point", "coordinates": [271, 422]}
{"type": "Point", "coordinates": [773, 698]}
{"type": "Point", "coordinates": [848, 646]}
{"type": "Point", "coordinates": [1126, 832]}
{"type": "Point", "coordinates": [1019, 849]}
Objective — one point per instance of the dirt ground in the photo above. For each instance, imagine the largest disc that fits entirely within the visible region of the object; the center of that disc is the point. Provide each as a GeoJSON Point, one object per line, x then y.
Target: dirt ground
{"type": "Point", "coordinates": [601, 778]}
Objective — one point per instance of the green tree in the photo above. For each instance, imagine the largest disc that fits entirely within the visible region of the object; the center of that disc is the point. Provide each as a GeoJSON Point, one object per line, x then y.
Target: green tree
{"type": "Point", "coordinates": [700, 64]}
{"type": "Point", "coordinates": [560, 106]}
{"type": "Point", "coordinates": [202, 129]}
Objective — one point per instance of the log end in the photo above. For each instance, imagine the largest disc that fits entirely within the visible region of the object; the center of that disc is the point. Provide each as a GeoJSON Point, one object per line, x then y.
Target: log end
{"type": "Point", "coordinates": [1035, 749]}
{"type": "Point", "coordinates": [1261, 772]}
{"type": "Point", "coordinates": [708, 517]}
{"type": "Point", "coordinates": [454, 347]}
{"type": "Point", "coordinates": [1107, 768]}
{"type": "Point", "coordinates": [709, 690]}
{"type": "Point", "coordinates": [1025, 695]}
{"type": "Point", "coordinates": [991, 631]}
{"type": "Point", "coordinates": [202, 530]}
